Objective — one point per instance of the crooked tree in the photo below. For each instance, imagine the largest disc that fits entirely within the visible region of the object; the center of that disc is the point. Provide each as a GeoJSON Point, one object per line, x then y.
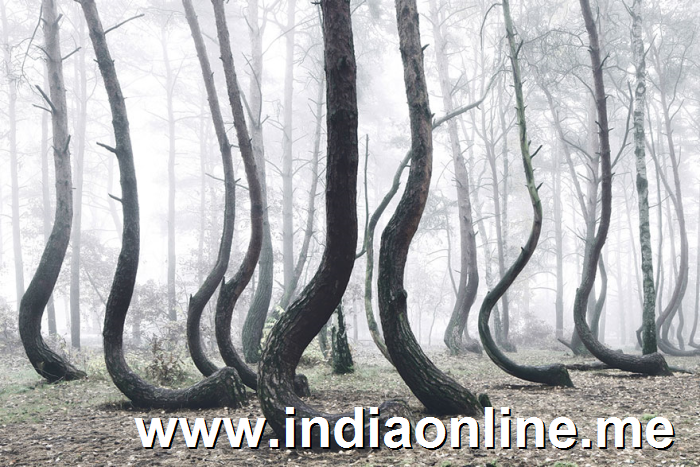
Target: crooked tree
{"type": "Point", "coordinates": [223, 388]}
{"type": "Point", "coordinates": [46, 362]}
{"type": "Point", "coordinates": [653, 364]}
{"type": "Point", "coordinates": [257, 313]}
{"type": "Point", "coordinates": [437, 391]}
{"type": "Point", "coordinates": [468, 283]}
{"type": "Point", "coordinates": [305, 317]}
{"type": "Point", "coordinates": [554, 375]}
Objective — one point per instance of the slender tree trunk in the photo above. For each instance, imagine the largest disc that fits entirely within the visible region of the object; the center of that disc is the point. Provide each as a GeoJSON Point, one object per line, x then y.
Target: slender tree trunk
{"type": "Point", "coordinates": [304, 318]}
{"type": "Point", "coordinates": [648, 312]}
{"type": "Point", "coordinates": [47, 363]}
{"type": "Point", "coordinates": [288, 293]}
{"type": "Point", "coordinates": [172, 260]}
{"type": "Point", "coordinates": [469, 272]}
{"type": "Point", "coordinates": [203, 131]}
{"type": "Point", "coordinates": [653, 364]}
{"type": "Point", "coordinates": [232, 290]}
{"type": "Point", "coordinates": [554, 375]}
{"type": "Point", "coordinates": [12, 138]}
{"type": "Point", "coordinates": [677, 198]}
{"type": "Point", "coordinates": [255, 319]}
{"type": "Point", "coordinates": [437, 391]}
{"type": "Point", "coordinates": [216, 275]}
{"type": "Point", "coordinates": [223, 388]}
{"type": "Point", "coordinates": [287, 152]}
{"type": "Point", "coordinates": [46, 195]}
{"type": "Point", "coordinates": [696, 309]}
{"type": "Point", "coordinates": [559, 246]}
{"type": "Point", "coordinates": [79, 161]}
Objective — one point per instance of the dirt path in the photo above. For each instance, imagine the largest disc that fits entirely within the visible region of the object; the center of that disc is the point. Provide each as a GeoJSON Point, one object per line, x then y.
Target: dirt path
{"type": "Point", "coordinates": [87, 423]}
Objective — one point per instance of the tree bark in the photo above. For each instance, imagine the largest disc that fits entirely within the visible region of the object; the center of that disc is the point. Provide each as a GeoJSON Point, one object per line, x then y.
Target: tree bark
{"type": "Point", "coordinates": [437, 391]}
{"type": "Point", "coordinates": [231, 290]}
{"type": "Point", "coordinates": [199, 300]}
{"type": "Point", "coordinates": [46, 196]}
{"type": "Point", "coordinates": [653, 364]}
{"type": "Point", "coordinates": [304, 318]}
{"type": "Point", "coordinates": [46, 362]}
{"type": "Point", "coordinates": [223, 388]}
{"type": "Point", "coordinates": [554, 375]}
{"type": "Point", "coordinates": [648, 311]}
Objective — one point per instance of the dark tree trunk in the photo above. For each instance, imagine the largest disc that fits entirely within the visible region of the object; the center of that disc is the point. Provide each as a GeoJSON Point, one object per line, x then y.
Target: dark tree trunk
{"type": "Point", "coordinates": [304, 318]}
{"type": "Point", "coordinates": [341, 357]}
{"type": "Point", "coordinates": [437, 391]}
{"type": "Point", "coordinates": [653, 364]}
{"type": "Point", "coordinates": [216, 275]}
{"type": "Point", "coordinates": [232, 290]}
{"type": "Point", "coordinates": [257, 313]}
{"type": "Point", "coordinates": [50, 309]}
{"type": "Point", "coordinates": [223, 388]}
{"type": "Point", "coordinates": [554, 375]}
{"type": "Point", "coordinates": [46, 362]}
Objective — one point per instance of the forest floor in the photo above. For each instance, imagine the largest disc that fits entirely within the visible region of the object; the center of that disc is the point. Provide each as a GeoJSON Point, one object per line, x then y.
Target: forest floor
{"type": "Point", "coordinates": [89, 423]}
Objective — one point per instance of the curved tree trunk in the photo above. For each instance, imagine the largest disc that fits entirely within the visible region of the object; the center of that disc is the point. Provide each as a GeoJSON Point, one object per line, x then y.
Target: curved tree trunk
{"type": "Point", "coordinates": [216, 275]}
{"type": "Point", "coordinates": [653, 364]}
{"type": "Point", "coordinates": [595, 317]}
{"type": "Point", "coordinates": [223, 388]}
{"type": "Point", "coordinates": [305, 317]}
{"type": "Point", "coordinates": [50, 309]}
{"type": "Point", "coordinates": [232, 290]}
{"type": "Point", "coordinates": [676, 196]}
{"type": "Point", "coordinates": [437, 391]}
{"type": "Point", "coordinates": [47, 363]}
{"type": "Point", "coordinates": [468, 284]}
{"type": "Point", "coordinates": [368, 243]}
{"type": "Point", "coordinates": [257, 313]}
{"type": "Point", "coordinates": [554, 375]}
